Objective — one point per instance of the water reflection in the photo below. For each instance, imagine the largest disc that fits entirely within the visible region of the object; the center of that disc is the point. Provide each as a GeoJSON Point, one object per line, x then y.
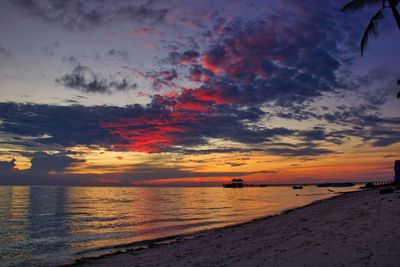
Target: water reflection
{"type": "Point", "coordinates": [14, 221]}
{"type": "Point", "coordinates": [54, 225]}
{"type": "Point", "coordinates": [47, 222]}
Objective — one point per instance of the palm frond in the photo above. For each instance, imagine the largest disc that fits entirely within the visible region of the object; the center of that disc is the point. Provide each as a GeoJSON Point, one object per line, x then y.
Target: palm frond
{"type": "Point", "coordinates": [359, 4]}
{"type": "Point", "coordinates": [371, 30]}
{"type": "Point", "coordinates": [398, 83]}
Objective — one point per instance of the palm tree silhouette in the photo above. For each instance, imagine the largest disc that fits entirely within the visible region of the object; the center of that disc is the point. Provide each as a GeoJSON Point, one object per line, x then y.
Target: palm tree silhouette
{"type": "Point", "coordinates": [398, 84]}
{"type": "Point", "coordinates": [371, 29]}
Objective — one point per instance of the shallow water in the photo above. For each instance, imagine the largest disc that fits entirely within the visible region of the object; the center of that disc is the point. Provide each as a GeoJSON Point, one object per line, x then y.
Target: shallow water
{"type": "Point", "coordinates": [56, 225]}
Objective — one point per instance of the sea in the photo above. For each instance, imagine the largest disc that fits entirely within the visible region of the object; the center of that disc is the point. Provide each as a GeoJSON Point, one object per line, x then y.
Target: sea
{"type": "Point", "coordinates": [51, 226]}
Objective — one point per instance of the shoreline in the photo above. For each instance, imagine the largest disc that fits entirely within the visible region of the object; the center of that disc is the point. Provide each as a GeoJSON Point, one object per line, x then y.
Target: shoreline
{"type": "Point", "coordinates": [130, 255]}
{"type": "Point", "coordinates": [161, 241]}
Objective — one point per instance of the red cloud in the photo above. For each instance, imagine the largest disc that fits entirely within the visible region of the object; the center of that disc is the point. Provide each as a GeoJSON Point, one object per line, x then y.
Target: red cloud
{"type": "Point", "coordinates": [210, 95]}
{"type": "Point", "coordinates": [156, 132]}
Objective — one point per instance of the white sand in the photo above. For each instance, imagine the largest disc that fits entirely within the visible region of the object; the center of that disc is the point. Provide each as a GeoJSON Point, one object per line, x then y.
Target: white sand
{"type": "Point", "coordinates": [355, 229]}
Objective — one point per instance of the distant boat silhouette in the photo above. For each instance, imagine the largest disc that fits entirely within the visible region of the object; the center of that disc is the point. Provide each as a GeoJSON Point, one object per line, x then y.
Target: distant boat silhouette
{"type": "Point", "coordinates": [297, 187]}
{"type": "Point", "coordinates": [235, 183]}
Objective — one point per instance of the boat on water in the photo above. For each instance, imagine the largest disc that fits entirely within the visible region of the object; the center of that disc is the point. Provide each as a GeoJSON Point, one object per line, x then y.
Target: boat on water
{"type": "Point", "coordinates": [336, 185]}
{"type": "Point", "coordinates": [235, 183]}
{"type": "Point", "coordinates": [297, 187]}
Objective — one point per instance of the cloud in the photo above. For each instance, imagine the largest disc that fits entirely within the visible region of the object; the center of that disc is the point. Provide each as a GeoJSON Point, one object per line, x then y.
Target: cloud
{"type": "Point", "coordinates": [124, 55]}
{"type": "Point", "coordinates": [71, 60]}
{"type": "Point", "coordinates": [90, 14]}
{"type": "Point", "coordinates": [364, 122]}
{"type": "Point", "coordinates": [4, 52]}
{"type": "Point", "coordinates": [180, 120]}
{"type": "Point", "coordinates": [84, 79]}
{"type": "Point", "coordinates": [44, 163]}
{"type": "Point", "coordinates": [145, 32]}
{"type": "Point", "coordinates": [190, 23]}
{"type": "Point", "coordinates": [181, 123]}
{"type": "Point", "coordinates": [187, 57]}
{"type": "Point", "coordinates": [7, 166]}
{"type": "Point", "coordinates": [254, 61]}
{"type": "Point", "coordinates": [301, 151]}
{"type": "Point", "coordinates": [160, 79]}
{"type": "Point", "coordinates": [385, 137]}
{"type": "Point", "coordinates": [156, 127]}
{"type": "Point", "coordinates": [48, 175]}
{"type": "Point", "coordinates": [51, 48]}
{"type": "Point", "coordinates": [62, 126]}
{"type": "Point", "coordinates": [46, 169]}
{"type": "Point", "coordinates": [267, 148]}
{"type": "Point", "coordinates": [268, 60]}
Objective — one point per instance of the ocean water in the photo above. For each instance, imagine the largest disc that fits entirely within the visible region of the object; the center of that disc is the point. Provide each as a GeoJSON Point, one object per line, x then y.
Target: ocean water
{"type": "Point", "coordinates": [56, 225]}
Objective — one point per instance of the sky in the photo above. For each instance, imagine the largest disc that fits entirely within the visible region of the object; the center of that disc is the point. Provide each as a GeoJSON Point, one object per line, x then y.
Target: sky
{"type": "Point", "coordinates": [195, 93]}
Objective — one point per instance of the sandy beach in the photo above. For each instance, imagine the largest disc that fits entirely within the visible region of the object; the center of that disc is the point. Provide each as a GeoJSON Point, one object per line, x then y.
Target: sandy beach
{"type": "Point", "coordinates": [354, 229]}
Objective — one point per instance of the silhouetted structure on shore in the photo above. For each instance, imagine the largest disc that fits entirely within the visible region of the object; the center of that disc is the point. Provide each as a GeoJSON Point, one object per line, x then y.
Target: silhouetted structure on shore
{"type": "Point", "coordinates": [397, 171]}
{"type": "Point", "coordinates": [336, 184]}
{"type": "Point", "coordinates": [235, 183]}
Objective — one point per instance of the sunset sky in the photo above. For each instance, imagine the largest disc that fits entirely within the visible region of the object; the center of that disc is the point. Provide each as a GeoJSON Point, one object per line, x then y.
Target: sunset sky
{"type": "Point", "coordinates": [184, 92]}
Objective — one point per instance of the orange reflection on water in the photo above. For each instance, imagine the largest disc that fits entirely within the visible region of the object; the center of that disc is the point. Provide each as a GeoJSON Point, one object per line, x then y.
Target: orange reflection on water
{"type": "Point", "coordinates": [71, 222]}
{"type": "Point", "coordinates": [108, 216]}
{"type": "Point", "coordinates": [17, 208]}
{"type": "Point", "coordinates": [14, 221]}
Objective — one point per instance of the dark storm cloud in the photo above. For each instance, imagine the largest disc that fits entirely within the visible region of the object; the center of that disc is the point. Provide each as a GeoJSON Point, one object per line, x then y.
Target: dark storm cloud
{"type": "Point", "coordinates": [7, 166]}
{"type": "Point", "coordinates": [183, 121]}
{"type": "Point", "coordinates": [157, 127]}
{"type": "Point", "coordinates": [316, 134]}
{"type": "Point", "coordinates": [46, 169]}
{"type": "Point", "coordinates": [89, 14]}
{"type": "Point", "coordinates": [268, 59]}
{"type": "Point", "coordinates": [84, 79]}
{"type": "Point", "coordinates": [45, 163]}
{"type": "Point", "coordinates": [59, 125]}
{"type": "Point", "coordinates": [176, 123]}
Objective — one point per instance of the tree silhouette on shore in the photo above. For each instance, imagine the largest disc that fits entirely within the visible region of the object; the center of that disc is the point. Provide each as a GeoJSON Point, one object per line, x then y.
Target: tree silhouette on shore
{"type": "Point", "coordinates": [398, 84]}
{"type": "Point", "coordinates": [371, 29]}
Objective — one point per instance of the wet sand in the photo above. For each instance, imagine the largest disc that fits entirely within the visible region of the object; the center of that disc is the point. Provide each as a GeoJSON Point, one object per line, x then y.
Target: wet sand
{"type": "Point", "coordinates": [354, 229]}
